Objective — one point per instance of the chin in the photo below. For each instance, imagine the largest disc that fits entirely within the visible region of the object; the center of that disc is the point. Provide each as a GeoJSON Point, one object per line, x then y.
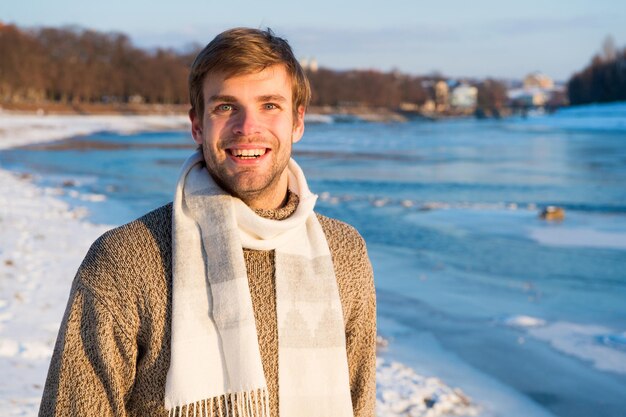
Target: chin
{"type": "Point", "coordinates": [249, 191]}
{"type": "Point", "coordinates": [255, 190]}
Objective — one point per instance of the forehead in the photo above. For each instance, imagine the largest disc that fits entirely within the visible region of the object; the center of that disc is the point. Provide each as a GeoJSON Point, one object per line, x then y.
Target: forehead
{"type": "Point", "coordinates": [272, 80]}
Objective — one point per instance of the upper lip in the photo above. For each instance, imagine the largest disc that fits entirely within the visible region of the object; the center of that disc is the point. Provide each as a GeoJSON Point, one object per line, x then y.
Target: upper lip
{"type": "Point", "coordinates": [246, 145]}
{"type": "Point", "coordinates": [237, 148]}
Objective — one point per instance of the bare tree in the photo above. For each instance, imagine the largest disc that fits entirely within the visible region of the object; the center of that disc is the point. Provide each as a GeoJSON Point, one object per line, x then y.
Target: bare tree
{"type": "Point", "coordinates": [609, 49]}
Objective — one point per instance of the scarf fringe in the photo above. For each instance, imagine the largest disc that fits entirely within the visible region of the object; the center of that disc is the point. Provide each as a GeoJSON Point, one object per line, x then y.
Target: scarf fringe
{"type": "Point", "coordinates": [235, 404]}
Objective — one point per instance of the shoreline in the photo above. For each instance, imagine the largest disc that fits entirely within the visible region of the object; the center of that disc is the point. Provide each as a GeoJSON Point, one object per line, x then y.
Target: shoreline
{"type": "Point", "coordinates": [314, 114]}
{"type": "Point", "coordinates": [42, 242]}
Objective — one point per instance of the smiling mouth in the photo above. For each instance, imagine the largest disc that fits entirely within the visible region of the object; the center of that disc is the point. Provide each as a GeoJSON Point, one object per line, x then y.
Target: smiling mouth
{"type": "Point", "coordinates": [247, 153]}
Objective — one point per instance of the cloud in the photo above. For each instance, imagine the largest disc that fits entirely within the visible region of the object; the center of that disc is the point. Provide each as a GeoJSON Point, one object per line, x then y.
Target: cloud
{"type": "Point", "coordinates": [535, 25]}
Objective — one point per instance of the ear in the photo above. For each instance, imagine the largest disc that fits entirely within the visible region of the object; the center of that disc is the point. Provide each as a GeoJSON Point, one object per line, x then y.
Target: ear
{"type": "Point", "coordinates": [196, 126]}
{"type": "Point", "coordinates": [298, 126]}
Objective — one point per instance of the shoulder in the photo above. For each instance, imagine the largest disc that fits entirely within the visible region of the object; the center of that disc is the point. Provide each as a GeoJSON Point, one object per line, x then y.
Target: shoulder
{"type": "Point", "coordinates": [348, 250]}
{"type": "Point", "coordinates": [340, 234]}
{"type": "Point", "coordinates": [127, 269]}
{"type": "Point", "coordinates": [137, 248]}
{"type": "Point", "coordinates": [154, 225]}
{"type": "Point", "coordinates": [352, 266]}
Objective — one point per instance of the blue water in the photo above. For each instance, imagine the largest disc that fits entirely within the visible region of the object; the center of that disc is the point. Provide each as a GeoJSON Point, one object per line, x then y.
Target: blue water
{"type": "Point", "coordinates": [449, 211]}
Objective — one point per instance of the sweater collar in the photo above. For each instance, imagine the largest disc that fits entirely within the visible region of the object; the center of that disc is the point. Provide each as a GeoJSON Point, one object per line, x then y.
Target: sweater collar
{"type": "Point", "coordinates": [283, 212]}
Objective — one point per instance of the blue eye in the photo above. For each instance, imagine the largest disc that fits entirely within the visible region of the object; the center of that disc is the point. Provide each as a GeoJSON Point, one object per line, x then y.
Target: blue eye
{"type": "Point", "coordinates": [224, 107]}
{"type": "Point", "coordinates": [270, 106]}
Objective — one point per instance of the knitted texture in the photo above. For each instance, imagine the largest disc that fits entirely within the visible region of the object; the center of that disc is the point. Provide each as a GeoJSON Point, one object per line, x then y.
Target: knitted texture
{"type": "Point", "coordinates": [216, 357]}
{"type": "Point", "coordinates": [112, 353]}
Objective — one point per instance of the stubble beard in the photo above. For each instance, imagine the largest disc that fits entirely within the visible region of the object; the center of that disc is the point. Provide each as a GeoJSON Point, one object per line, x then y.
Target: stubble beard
{"type": "Point", "coordinates": [248, 185]}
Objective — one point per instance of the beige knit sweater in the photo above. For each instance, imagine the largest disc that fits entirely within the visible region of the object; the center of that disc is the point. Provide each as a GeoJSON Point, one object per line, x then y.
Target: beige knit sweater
{"type": "Point", "coordinates": [113, 349]}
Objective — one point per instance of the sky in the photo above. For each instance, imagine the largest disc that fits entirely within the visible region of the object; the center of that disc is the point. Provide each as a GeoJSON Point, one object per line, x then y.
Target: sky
{"type": "Point", "coordinates": [481, 38]}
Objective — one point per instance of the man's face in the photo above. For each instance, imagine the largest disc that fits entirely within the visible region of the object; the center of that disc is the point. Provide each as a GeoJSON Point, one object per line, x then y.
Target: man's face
{"type": "Point", "coordinates": [246, 133]}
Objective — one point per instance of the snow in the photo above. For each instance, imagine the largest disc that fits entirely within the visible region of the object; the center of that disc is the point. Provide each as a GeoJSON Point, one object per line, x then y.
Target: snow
{"type": "Point", "coordinates": [25, 129]}
{"type": "Point", "coordinates": [599, 345]}
{"type": "Point", "coordinates": [522, 321]}
{"type": "Point", "coordinates": [402, 392]}
{"type": "Point", "coordinates": [596, 344]}
{"type": "Point", "coordinates": [579, 237]}
{"type": "Point", "coordinates": [42, 242]}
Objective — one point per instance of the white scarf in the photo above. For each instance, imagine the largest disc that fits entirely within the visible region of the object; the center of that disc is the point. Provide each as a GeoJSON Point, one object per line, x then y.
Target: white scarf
{"type": "Point", "coordinates": [215, 366]}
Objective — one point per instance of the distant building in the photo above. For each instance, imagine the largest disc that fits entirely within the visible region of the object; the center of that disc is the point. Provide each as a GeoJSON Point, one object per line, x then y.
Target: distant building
{"type": "Point", "coordinates": [538, 91]}
{"type": "Point", "coordinates": [538, 80]}
{"type": "Point", "coordinates": [464, 97]}
{"type": "Point", "coordinates": [532, 97]}
{"type": "Point", "coordinates": [429, 106]}
{"type": "Point", "coordinates": [136, 99]}
{"type": "Point", "coordinates": [441, 95]}
{"type": "Point", "coordinates": [309, 64]}
{"type": "Point", "coordinates": [411, 107]}
{"type": "Point", "coordinates": [452, 84]}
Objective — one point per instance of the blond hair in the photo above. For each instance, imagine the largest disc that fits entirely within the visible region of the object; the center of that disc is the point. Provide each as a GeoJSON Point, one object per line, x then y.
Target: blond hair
{"type": "Point", "coordinates": [242, 51]}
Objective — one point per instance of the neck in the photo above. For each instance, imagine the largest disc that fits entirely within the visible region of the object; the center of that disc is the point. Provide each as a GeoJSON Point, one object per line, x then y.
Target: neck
{"type": "Point", "coordinates": [271, 197]}
{"type": "Point", "coordinates": [274, 203]}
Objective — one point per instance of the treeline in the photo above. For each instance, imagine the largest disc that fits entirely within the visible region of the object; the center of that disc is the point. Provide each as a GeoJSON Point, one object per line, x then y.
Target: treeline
{"type": "Point", "coordinates": [393, 90]}
{"type": "Point", "coordinates": [366, 87]}
{"type": "Point", "coordinates": [78, 65]}
{"type": "Point", "coordinates": [603, 80]}
{"type": "Point", "coordinates": [73, 65]}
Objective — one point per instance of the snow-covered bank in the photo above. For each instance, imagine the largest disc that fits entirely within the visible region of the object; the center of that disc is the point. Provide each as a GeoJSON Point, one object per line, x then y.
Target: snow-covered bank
{"type": "Point", "coordinates": [24, 129]}
{"type": "Point", "coordinates": [42, 243]}
{"type": "Point", "coordinates": [400, 391]}
{"type": "Point", "coordinates": [43, 240]}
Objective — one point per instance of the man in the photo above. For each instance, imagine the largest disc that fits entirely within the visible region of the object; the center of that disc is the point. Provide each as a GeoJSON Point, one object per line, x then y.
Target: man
{"type": "Point", "coordinates": [236, 299]}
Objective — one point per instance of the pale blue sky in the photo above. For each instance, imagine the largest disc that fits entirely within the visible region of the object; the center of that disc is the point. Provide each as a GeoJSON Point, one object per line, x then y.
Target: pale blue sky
{"type": "Point", "coordinates": [458, 38]}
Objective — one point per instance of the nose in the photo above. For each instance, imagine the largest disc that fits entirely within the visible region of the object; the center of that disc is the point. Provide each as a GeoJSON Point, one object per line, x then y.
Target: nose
{"type": "Point", "coordinates": [246, 123]}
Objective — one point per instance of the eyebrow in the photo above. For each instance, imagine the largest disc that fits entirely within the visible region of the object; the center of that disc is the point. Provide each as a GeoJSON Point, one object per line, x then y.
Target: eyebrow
{"type": "Point", "coordinates": [232, 99]}
{"type": "Point", "coordinates": [272, 97]}
{"type": "Point", "coordinates": [225, 99]}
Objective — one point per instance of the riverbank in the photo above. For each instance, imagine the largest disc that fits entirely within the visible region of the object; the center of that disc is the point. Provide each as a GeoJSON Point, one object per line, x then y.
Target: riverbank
{"type": "Point", "coordinates": [315, 114]}
{"type": "Point", "coordinates": [42, 242]}
{"type": "Point", "coordinates": [84, 109]}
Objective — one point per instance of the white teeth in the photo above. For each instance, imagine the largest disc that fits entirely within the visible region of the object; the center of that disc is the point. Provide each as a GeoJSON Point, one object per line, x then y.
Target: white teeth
{"type": "Point", "coordinates": [248, 152]}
